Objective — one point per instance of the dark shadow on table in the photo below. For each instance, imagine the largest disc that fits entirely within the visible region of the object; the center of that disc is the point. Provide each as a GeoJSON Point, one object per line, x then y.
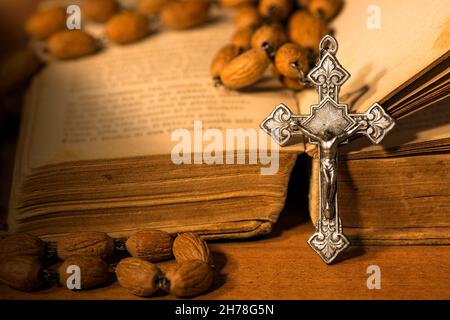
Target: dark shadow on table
{"type": "Point", "coordinates": [296, 209]}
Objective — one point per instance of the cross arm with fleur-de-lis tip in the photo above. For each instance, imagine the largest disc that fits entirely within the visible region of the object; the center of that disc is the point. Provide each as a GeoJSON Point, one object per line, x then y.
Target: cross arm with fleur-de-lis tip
{"type": "Point", "coordinates": [328, 125]}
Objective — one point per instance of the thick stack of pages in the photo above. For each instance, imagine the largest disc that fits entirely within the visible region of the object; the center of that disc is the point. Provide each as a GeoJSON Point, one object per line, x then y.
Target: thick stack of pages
{"type": "Point", "coordinates": [95, 146]}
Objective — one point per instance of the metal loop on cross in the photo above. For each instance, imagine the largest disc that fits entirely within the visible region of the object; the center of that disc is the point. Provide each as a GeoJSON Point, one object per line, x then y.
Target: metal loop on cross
{"type": "Point", "coordinates": [302, 78]}
{"type": "Point", "coordinates": [328, 44]}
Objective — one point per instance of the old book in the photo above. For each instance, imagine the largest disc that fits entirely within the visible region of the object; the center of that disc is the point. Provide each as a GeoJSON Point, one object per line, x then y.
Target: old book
{"type": "Point", "coordinates": [95, 144]}
{"type": "Point", "coordinates": [96, 141]}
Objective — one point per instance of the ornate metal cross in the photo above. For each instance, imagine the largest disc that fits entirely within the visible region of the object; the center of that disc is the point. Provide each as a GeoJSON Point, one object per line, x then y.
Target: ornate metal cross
{"type": "Point", "coordinates": [328, 125]}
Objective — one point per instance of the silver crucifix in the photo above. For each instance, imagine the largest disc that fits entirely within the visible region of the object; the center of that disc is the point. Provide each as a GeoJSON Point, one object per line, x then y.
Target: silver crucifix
{"type": "Point", "coordinates": [328, 125]}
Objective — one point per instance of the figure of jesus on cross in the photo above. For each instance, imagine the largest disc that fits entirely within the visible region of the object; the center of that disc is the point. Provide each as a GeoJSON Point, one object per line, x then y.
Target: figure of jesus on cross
{"type": "Point", "coordinates": [328, 125]}
{"type": "Point", "coordinates": [328, 148]}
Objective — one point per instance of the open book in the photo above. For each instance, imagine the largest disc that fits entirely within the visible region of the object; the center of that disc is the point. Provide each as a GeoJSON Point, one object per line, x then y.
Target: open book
{"type": "Point", "coordinates": [95, 150]}
{"type": "Point", "coordinates": [96, 144]}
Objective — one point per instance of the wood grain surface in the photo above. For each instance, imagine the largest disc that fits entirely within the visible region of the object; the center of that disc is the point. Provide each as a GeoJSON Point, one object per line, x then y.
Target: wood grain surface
{"type": "Point", "coordinates": [278, 266]}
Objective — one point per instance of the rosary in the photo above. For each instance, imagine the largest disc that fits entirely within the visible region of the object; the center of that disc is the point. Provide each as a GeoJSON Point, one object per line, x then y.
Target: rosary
{"type": "Point", "coordinates": [91, 259]}
{"type": "Point", "coordinates": [328, 125]}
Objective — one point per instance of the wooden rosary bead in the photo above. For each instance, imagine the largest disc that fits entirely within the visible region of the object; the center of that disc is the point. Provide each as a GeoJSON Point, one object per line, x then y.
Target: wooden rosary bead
{"type": "Point", "coordinates": [247, 16]}
{"type": "Point", "coordinates": [93, 271]}
{"type": "Point", "coordinates": [307, 30]}
{"type": "Point", "coordinates": [138, 276]}
{"type": "Point", "coordinates": [45, 22]}
{"type": "Point", "coordinates": [150, 7]}
{"type": "Point", "coordinates": [246, 69]}
{"type": "Point", "coordinates": [150, 245]}
{"type": "Point", "coordinates": [275, 10]}
{"type": "Point", "coordinates": [190, 246]}
{"type": "Point", "coordinates": [69, 44]}
{"type": "Point", "coordinates": [272, 35]}
{"type": "Point", "coordinates": [235, 3]}
{"type": "Point", "coordinates": [23, 244]}
{"type": "Point", "coordinates": [242, 38]}
{"type": "Point", "coordinates": [303, 3]}
{"type": "Point", "coordinates": [326, 9]}
{"type": "Point", "coordinates": [185, 14]}
{"type": "Point", "coordinates": [222, 58]}
{"type": "Point", "coordinates": [21, 272]}
{"type": "Point", "coordinates": [126, 27]}
{"type": "Point", "coordinates": [289, 55]}
{"type": "Point", "coordinates": [190, 278]}
{"type": "Point", "coordinates": [86, 244]}
{"type": "Point", "coordinates": [99, 10]}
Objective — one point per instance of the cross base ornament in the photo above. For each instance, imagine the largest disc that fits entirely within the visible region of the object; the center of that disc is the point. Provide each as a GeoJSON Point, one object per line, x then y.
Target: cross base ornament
{"type": "Point", "coordinates": [328, 125]}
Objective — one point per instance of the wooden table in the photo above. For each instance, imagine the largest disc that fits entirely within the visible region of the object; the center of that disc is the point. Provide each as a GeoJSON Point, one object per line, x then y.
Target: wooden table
{"type": "Point", "coordinates": [282, 266]}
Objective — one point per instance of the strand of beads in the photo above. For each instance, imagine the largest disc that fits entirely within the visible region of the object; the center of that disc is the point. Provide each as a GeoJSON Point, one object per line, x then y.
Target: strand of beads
{"type": "Point", "coordinates": [26, 262]}
{"type": "Point", "coordinates": [287, 32]}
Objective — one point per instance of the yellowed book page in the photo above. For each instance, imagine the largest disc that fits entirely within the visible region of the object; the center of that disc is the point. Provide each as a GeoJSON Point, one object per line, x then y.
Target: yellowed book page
{"type": "Point", "coordinates": [412, 35]}
{"type": "Point", "coordinates": [127, 100]}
